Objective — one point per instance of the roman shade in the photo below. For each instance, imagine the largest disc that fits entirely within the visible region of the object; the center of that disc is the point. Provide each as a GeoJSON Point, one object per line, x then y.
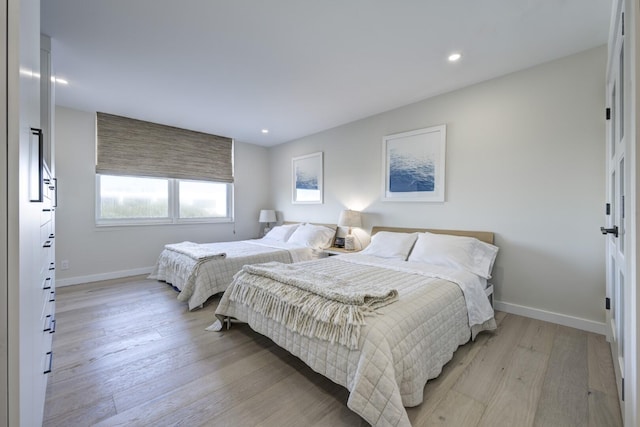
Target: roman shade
{"type": "Point", "coordinates": [134, 147]}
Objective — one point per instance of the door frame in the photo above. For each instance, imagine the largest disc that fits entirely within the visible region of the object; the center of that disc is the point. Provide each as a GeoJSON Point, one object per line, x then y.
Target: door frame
{"type": "Point", "coordinates": [632, 296]}
{"type": "Point", "coordinates": [617, 187]}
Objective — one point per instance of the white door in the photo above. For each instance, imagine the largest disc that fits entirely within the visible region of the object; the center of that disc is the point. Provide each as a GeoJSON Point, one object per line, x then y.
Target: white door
{"type": "Point", "coordinates": [617, 182]}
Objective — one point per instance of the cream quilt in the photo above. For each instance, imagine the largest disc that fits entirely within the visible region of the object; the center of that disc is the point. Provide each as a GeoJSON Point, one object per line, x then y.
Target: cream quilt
{"type": "Point", "coordinates": [198, 279]}
{"type": "Point", "coordinates": [312, 304]}
{"type": "Point", "coordinates": [404, 345]}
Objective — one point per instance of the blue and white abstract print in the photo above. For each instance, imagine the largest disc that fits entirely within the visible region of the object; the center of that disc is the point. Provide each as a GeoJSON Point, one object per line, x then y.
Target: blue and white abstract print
{"type": "Point", "coordinates": [412, 165]}
{"type": "Point", "coordinates": [409, 173]}
{"type": "Point", "coordinates": [307, 178]}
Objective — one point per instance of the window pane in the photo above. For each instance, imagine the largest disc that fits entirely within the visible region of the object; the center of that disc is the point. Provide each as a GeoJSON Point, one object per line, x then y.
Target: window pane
{"type": "Point", "coordinates": [200, 199]}
{"type": "Point", "coordinates": [126, 197]}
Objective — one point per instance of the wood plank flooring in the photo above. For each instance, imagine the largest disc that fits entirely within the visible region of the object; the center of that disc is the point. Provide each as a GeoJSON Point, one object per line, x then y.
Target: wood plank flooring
{"type": "Point", "coordinates": [127, 352]}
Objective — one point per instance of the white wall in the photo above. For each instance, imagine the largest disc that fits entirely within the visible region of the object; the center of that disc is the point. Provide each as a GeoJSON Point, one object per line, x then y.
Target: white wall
{"type": "Point", "coordinates": [106, 252]}
{"type": "Point", "coordinates": [525, 159]}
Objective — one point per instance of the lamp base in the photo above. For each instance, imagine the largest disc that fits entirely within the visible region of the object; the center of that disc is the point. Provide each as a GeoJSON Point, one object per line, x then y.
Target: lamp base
{"type": "Point", "coordinates": [349, 242]}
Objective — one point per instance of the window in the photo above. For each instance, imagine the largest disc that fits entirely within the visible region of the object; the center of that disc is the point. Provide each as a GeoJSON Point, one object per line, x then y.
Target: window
{"type": "Point", "coordinates": [128, 200]}
{"type": "Point", "coordinates": [148, 173]}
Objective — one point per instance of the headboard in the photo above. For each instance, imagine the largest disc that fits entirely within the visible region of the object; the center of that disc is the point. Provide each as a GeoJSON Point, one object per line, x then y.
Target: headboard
{"type": "Point", "coordinates": [484, 236]}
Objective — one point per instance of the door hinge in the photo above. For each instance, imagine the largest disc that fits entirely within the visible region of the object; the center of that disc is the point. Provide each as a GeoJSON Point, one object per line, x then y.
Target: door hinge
{"type": "Point", "coordinates": [623, 23]}
{"type": "Point", "coordinates": [607, 209]}
{"type": "Point", "coordinates": [607, 303]}
{"type": "Point", "coordinates": [622, 394]}
{"type": "Point", "coordinates": [608, 113]}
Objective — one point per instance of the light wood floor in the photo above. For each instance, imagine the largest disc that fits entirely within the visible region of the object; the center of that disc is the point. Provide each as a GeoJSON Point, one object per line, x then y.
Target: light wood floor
{"type": "Point", "coordinates": [128, 353]}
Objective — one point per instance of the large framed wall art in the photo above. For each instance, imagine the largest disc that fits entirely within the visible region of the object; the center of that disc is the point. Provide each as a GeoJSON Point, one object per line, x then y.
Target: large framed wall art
{"type": "Point", "coordinates": [414, 165]}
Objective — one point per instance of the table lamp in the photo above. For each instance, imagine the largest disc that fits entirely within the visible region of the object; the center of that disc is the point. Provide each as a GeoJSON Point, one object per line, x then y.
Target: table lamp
{"type": "Point", "coordinates": [349, 218]}
{"type": "Point", "coordinates": [268, 216]}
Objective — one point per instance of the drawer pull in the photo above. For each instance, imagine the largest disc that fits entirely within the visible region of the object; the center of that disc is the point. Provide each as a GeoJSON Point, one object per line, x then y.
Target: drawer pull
{"type": "Point", "coordinates": [55, 192]}
{"type": "Point", "coordinates": [50, 325]}
{"type": "Point", "coordinates": [37, 196]}
{"type": "Point", "coordinates": [50, 363]}
{"type": "Point", "coordinates": [47, 283]}
{"type": "Point", "coordinates": [46, 210]}
{"type": "Point", "coordinates": [47, 244]}
{"type": "Point", "coordinates": [52, 296]}
{"type": "Point", "coordinates": [52, 266]}
{"type": "Point", "coordinates": [52, 236]}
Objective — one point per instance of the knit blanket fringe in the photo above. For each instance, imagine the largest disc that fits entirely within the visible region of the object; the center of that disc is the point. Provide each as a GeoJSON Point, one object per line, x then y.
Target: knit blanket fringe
{"type": "Point", "coordinates": [312, 304]}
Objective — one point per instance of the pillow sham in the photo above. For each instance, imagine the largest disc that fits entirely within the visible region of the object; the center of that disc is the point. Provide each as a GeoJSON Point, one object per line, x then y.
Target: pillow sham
{"type": "Point", "coordinates": [281, 233]}
{"type": "Point", "coordinates": [387, 244]}
{"type": "Point", "coordinates": [467, 253]}
{"type": "Point", "coordinates": [313, 236]}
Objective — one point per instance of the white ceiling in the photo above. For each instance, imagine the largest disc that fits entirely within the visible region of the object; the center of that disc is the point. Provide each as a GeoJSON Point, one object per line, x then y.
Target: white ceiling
{"type": "Point", "coordinates": [297, 67]}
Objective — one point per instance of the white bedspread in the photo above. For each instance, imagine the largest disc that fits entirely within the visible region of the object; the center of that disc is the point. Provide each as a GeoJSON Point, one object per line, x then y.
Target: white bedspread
{"type": "Point", "coordinates": [479, 308]}
{"type": "Point", "coordinates": [197, 280]}
{"type": "Point", "coordinates": [399, 350]}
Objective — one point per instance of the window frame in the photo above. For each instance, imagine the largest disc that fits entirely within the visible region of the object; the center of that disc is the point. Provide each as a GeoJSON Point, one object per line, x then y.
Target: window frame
{"type": "Point", "coordinates": [173, 201]}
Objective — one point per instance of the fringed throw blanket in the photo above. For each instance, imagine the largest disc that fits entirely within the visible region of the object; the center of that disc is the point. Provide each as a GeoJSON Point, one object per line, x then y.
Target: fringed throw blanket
{"type": "Point", "coordinates": [310, 303]}
{"type": "Point", "coordinates": [196, 251]}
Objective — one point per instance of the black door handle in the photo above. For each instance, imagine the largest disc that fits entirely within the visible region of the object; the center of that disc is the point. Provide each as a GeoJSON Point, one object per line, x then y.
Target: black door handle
{"type": "Point", "coordinates": [613, 230]}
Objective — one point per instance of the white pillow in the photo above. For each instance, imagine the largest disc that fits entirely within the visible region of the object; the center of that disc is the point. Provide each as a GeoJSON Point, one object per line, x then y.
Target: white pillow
{"type": "Point", "coordinates": [281, 233]}
{"type": "Point", "coordinates": [467, 253]}
{"type": "Point", "coordinates": [313, 236]}
{"type": "Point", "coordinates": [387, 244]}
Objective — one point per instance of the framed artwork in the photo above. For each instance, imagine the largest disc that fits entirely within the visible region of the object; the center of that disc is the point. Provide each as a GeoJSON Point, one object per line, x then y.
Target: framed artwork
{"type": "Point", "coordinates": [414, 165]}
{"type": "Point", "coordinates": [306, 178]}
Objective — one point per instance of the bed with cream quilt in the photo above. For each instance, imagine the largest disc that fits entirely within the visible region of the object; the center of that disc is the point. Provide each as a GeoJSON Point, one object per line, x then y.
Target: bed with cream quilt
{"type": "Point", "coordinates": [409, 317]}
{"type": "Point", "coordinates": [201, 270]}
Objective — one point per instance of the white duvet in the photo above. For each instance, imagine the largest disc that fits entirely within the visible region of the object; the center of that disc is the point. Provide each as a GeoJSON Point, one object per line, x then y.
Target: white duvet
{"type": "Point", "coordinates": [402, 347]}
{"type": "Point", "coordinates": [197, 280]}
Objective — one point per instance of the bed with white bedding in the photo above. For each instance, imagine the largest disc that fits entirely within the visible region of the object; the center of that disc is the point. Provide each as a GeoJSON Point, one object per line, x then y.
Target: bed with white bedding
{"type": "Point", "coordinates": [415, 300]}
{"type": "Point", "coordinates": [199, 271]}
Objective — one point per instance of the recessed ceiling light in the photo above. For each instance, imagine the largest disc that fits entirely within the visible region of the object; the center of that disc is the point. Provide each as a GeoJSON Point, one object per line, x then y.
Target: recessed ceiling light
{"type": "Point", "coordinates": [454, 57]}
{"type": "Point", "coordinates": [265, 130]}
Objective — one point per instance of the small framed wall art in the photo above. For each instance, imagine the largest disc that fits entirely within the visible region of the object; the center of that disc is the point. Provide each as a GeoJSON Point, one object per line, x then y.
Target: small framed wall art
{"type": "Point", "coordinates": [306, 179]}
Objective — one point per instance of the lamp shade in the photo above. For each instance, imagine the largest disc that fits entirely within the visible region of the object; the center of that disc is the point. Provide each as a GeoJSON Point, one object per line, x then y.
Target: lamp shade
{"type": "Point", "coordinates": [349, 218]}
{"type": "Point", "coordinates": [267, 215]}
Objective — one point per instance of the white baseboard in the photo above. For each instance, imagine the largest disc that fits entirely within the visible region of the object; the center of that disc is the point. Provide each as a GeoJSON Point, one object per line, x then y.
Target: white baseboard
{"type": "Point", "coordinates": [103, 276]}
{"type": "Point", "coordinates": [548, 316]}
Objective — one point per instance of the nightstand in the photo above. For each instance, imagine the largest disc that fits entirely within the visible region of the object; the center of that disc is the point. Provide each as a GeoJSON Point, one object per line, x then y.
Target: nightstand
{"type": "Point", "coordinates": [338, 251]}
